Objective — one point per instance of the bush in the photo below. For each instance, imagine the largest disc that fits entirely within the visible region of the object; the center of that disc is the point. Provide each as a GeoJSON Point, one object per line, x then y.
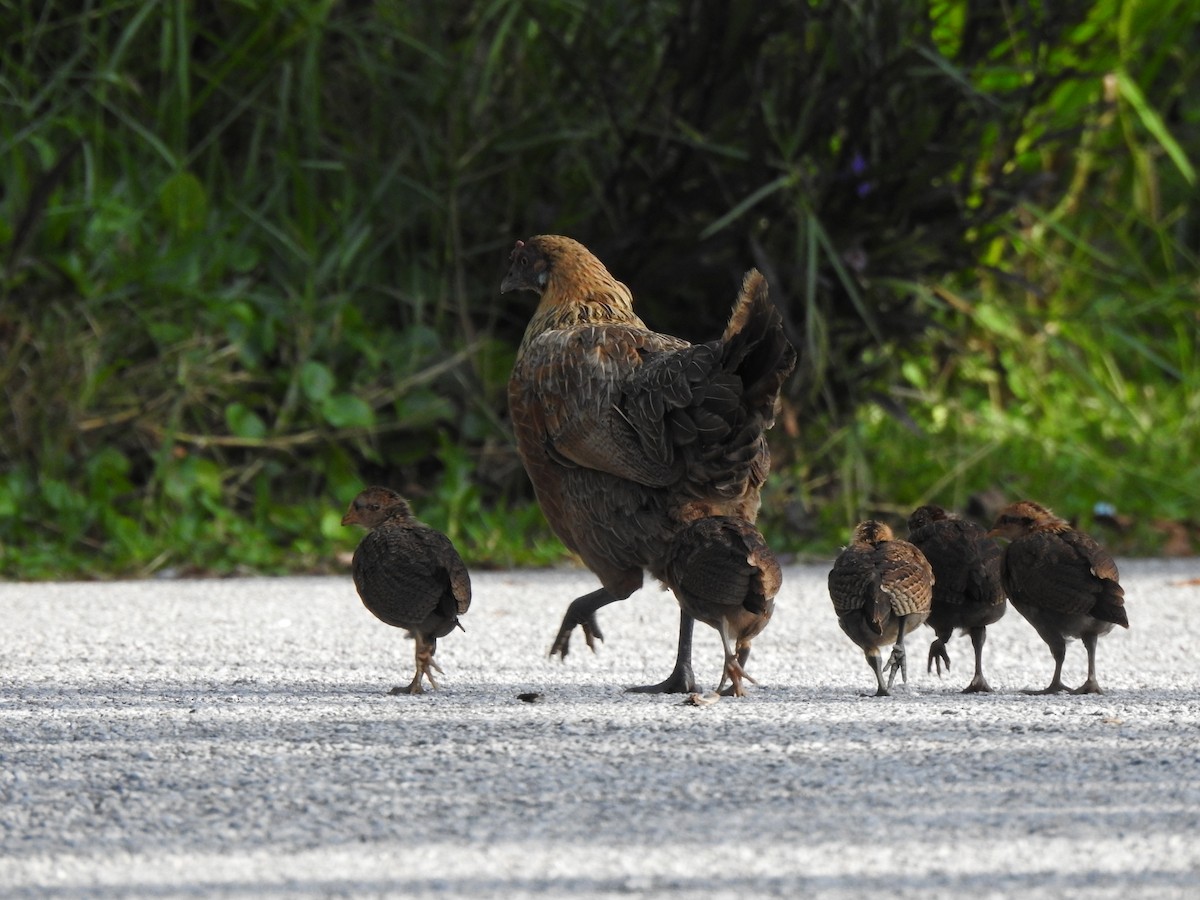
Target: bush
{"type": "Point", "coordinates": [250, 251]}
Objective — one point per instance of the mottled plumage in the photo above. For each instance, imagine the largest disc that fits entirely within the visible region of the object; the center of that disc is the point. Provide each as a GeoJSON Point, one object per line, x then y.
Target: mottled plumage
{"type": "Point", "coordinates": [967, 592]}
{"type": "Point", "coordinates": [408, 574]}
{"type": "Point", "coordinates": [725, 575]}
{"type": "Point", "coordinates": [629, 435]}
{"type": "Point", "coordinates": [1062, 581]}
{"type": "Point", "coordinates": [881, 588]}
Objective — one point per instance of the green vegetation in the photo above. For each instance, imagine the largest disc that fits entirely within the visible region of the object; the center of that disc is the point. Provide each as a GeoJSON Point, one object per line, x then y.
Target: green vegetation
{"type": "Point", "coordinates": [249, 255]}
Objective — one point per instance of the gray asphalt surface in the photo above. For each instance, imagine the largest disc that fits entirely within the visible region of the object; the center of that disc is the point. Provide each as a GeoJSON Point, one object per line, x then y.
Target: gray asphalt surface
{"type": "Point", "coordinates": [234, 738]}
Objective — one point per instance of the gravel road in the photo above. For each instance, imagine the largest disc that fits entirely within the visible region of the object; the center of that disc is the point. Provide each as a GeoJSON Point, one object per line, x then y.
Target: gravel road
{"type": "Point", "coordinates": [235, 738]}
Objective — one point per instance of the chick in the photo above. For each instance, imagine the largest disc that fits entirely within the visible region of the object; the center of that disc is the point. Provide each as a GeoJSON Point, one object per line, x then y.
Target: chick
{"type": "Point", "coordinates": [725, 575]}
{"type": "Point", "coordinates": [967, 592]}
{"type": "Point", "coordinates": [409, 575]}
{"type": "Point", "coordinates": [882, 588]}
{"type": "Point", "coordinates": [1062, 582]}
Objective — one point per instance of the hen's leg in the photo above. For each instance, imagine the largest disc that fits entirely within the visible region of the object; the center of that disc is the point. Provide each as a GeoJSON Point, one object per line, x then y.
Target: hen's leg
{"type": "Point", "coordinates": [978, 684]}
{"type": "Point", "coordinates": [681, 680]}
{"type": "Point", "coordinates": [582, 613]}
{"type": "Point", "coordinates": [1091, 686]}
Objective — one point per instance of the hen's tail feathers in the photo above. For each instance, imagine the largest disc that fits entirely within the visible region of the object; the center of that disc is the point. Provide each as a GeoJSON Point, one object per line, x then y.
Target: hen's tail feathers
{"type": "Point", "coordinates": [756, 348]}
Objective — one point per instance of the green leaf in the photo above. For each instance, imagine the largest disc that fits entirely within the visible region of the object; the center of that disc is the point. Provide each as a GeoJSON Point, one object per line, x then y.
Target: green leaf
{"type": "Point", "coordinates": [1154, 124]}
{"type": "Point", "coordinates": [316, 381]}
{"type": "Point", "coordinates": [347, 411]}
{"type": "Point", "coordinates": [183, 202]}
{"type": "Point", "coordinates": [244, 422]}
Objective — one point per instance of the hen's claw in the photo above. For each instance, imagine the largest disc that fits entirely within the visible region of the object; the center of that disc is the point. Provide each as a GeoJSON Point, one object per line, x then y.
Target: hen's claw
{"type": "Point", "coordinates": [680, 681]}
{"type": "Point", "coordinates": [591, 634]}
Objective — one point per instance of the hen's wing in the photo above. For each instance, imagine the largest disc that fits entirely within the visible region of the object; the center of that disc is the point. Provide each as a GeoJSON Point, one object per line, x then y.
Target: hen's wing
{"type": "Point", "coordinates": [566, 395]}
{"type": "Point", "coordinates": [635, 404]}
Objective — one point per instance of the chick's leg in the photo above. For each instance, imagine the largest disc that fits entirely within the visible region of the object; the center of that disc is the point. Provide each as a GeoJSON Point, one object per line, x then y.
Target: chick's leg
{"type": "Point", "coordinates": [681, 680]}
{"type": "Point", "coordinates": [1091, 686]}
{"type": "Point", "coordinates": [735, 669]}
{"type": "Point", "coordinates": [425, 666]}
{"type": "Point", "coordinates": [978, 684]}
{"type": "Point", "coordinates": [897, 662]}
{"type": "Point", "coordinates": [876, 664]}
{"type": "Point", "coordinates": [938, 654]}
{"type": "Point", "coordinates": [1058, 649]}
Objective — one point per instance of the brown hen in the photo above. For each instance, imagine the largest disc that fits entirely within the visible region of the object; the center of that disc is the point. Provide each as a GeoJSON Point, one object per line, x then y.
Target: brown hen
{"type": "Point", "coordinates": [409, 575]}
{"type": "Point", "coordinates": [881, 588]}
{"type": "Point", "coordinates": [629, 435]}
{"type": "Point", "coordinates": [1062, 582]}
{"type": "Point", "coordinates": [967, 592]}
{"type": "Point", "coordinates": [725, 575]}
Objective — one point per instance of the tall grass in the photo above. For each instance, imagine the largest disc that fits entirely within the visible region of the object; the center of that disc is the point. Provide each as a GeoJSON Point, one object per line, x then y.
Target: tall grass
{"type": "Point", "coordinates": [1064, 367]}
{"type": "Point", "coordinates": [248, 252]}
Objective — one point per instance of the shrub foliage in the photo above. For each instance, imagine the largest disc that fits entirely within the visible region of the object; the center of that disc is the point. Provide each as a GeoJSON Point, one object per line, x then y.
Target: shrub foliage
{"type": "Point", "coordinates": [249, 253]}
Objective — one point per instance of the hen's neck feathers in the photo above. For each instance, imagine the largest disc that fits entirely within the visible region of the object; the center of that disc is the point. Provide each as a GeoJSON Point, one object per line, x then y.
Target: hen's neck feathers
{"type": "Point", "coordinates": [580, 291]}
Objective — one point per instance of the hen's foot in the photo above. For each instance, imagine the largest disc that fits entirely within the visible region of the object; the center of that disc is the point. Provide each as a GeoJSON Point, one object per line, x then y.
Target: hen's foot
{"type": "Point", "coordinates": [680, 681]}
{"type": "Point", "coordinates": [937, 656]}
{"type": "Point", "coordinates": [591, 634]}
{"type": "Point", "coordinates": [1054, 687]}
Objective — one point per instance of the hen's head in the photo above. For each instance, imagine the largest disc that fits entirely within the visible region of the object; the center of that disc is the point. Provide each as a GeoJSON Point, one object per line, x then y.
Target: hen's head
{"type": "Point", "coordinates": [1023, 517]}
{"type": "Point", "coordinates": [536, 261]}
{"type": "Point", "coordinates": [374, 506]}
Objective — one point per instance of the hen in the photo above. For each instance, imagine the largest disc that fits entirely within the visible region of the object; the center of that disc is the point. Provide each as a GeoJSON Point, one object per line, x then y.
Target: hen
{"type": "Point", "coordinates": [881, 589]}
{"type": "Point", "coordinates": [967, 592]}
{"type": "Point", "coordinates": [1062, 582]}
{"type": "Point", "coordinates": [408, 574]}
{"type": "Point", "coordinates": [725, 575]}
{"type": "Point", "coordinates": [629, 435]}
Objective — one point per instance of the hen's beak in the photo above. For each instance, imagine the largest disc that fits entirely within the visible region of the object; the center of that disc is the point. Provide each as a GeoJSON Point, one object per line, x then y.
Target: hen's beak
{"type": "Point", "coordinates": [350, 518]}
{"type": "Point", "coordinates": [512, 282]}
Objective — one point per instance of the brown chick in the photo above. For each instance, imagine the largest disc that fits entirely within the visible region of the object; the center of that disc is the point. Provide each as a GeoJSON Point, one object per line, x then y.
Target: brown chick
{"type": "Point", "coordinates": [1062, 582]}
{"type": "Point", "coordinates": [628, 435]}
{"type": "Point", "coordinates": [725, 575]}
{"type": "Point", "coordinates": [967, 592]}
{"type": "Point", "coordinates": [409, 575]}
{"type": "Point", "coordinates": [882, 588]}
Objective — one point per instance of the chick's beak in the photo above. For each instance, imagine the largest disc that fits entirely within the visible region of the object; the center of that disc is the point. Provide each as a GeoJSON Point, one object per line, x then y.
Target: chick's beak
{"type": "Point", "coordinates": [350, 518]}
